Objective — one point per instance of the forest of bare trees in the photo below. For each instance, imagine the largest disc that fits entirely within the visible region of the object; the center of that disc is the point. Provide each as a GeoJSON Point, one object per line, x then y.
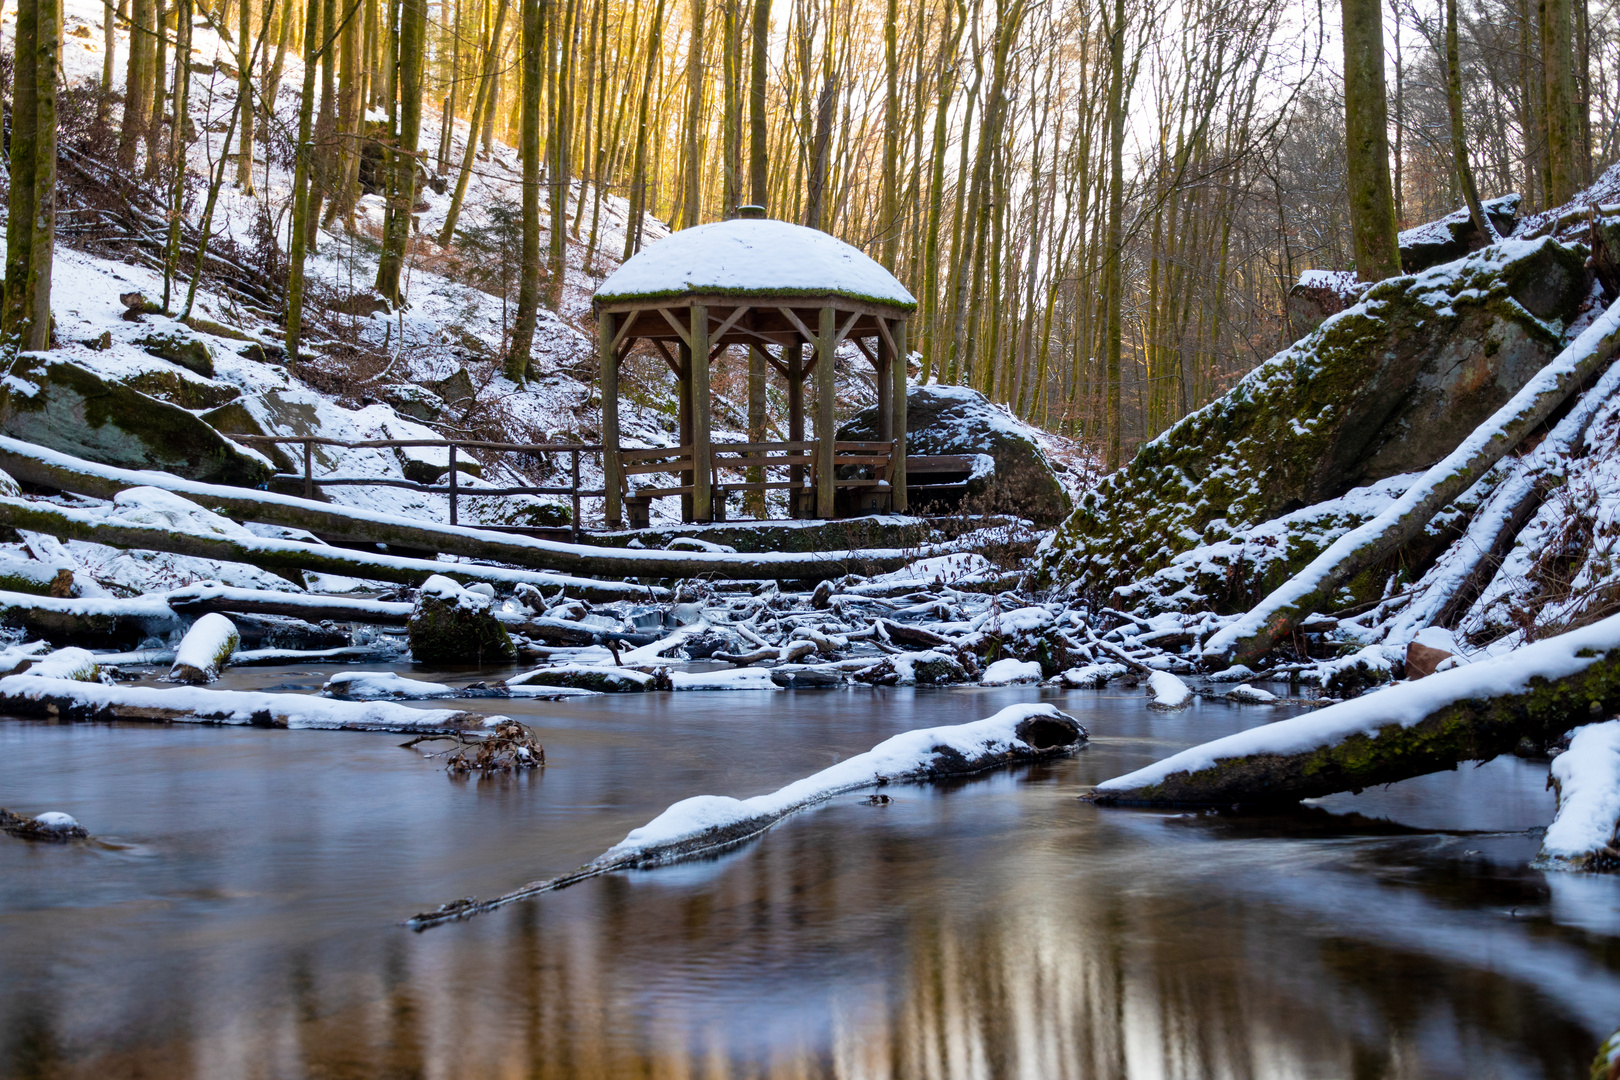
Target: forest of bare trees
{"type": "Point", "coordinates": [1100, 206]}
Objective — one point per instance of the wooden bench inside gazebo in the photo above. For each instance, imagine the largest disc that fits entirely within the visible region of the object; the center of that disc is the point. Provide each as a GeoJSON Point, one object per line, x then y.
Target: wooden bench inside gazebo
{"type": "Point", "coordinates": [792, 295]}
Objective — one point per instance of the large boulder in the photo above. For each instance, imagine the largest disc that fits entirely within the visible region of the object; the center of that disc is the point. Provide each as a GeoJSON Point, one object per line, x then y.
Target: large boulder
{"type": "Point", "coordinates": [956, 420]}
{"type": "Point", "coordinates": [453, 625]}
{"type": "Point", "coordinates": [1390, 385]}
{"type": "Point", "coordinates": [60, 405]}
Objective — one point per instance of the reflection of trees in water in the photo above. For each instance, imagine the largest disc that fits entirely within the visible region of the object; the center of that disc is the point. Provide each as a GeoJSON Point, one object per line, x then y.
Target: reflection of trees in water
{"type": "Point", "coordinates": [836, 949]}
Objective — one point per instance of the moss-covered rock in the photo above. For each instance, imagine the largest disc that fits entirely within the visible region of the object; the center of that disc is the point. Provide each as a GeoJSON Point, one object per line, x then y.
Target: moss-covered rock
{"type": "Point", "coordinates": [58, 404]}
{"type": "Point", "coordinates": [956, 420]}
{"type": "Point", "coordinates": [182, 390]}
{"type": "Point", "coordinates": [1389, 386]}
{"type": "Point", "coordinates": [453, 625]}
{"type": "Point", "coordinates": [178, 347]}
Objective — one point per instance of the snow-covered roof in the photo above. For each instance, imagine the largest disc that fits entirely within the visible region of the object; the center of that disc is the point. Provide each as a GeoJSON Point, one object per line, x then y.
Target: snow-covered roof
{"type": "Point", "coordinates": [752, 257]}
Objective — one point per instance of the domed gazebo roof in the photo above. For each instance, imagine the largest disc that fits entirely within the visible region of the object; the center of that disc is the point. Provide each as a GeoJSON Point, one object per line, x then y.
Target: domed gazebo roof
{"type": "Point", "coordinates": [755, 259]}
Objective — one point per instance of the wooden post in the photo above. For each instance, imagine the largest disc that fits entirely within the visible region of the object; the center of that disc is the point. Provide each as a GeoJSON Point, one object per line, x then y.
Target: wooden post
{"type": "Point", "coordinates": [574, 470]}
{"type": "Point", "coordinates": [825, 333]}
{"type": "Point", "coordinates": [885, 391]}
{"type": "Point", "coordinates": [795, 388]}
{"type": "Point", "coordinates": [453, 483]}
{"type": "Point", "coordinates": [703, 474]}
{"type": "Point", "coordinates": [309, 469]}
{"type": "Point", "coordinates": [897, 425]}
{"type": "Point", "coordinates": [683, 384]}
{"type": "Point", "coordinates": [608, 363]}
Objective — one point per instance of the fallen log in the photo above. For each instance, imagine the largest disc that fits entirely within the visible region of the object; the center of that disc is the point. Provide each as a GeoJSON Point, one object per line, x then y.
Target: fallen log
{"type": "Point", "coordinates": [88, 620]}
{"type": "Point", "coordinates": [1314, 588]}
{"type": "Point", "coordinates": [1455, 581]}
{"type": "Point", "coordinates": [1470, 713]}
{"type": "Point", "coordinates": [61, 699]}
{"type": "Point", "coordinates": [915, 636]}
{"type": "Point", "coordinates": [64, 472]}
{"type": "Point", "coordinates": [195, 600]}
{"type": "Point", "coordinates": [283, 555]}
{"type": "Point", "coordinates": [710, 823]}
{"type": "Point", "coordinates": [1587, 779]}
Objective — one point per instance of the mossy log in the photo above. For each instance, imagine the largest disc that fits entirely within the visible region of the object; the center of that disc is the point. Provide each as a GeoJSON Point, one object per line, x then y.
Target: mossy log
{"type": "Point", "coordinates": [47, 468]}
{"type": "Point", "coordinates": [1314, 588]}
{"type": "Point", "coordinates": [1472, 713]}
{"type": "Point", "coordinates": [281, 555]}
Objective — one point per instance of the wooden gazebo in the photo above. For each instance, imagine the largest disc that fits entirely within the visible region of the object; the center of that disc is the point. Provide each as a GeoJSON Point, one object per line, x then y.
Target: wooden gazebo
{"type": "Point", "coordinates": [792, 293]}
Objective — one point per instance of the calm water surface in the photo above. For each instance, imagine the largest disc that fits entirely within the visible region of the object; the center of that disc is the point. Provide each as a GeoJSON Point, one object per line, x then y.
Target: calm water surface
{"type": "Point", "coordinates": [240, 921]}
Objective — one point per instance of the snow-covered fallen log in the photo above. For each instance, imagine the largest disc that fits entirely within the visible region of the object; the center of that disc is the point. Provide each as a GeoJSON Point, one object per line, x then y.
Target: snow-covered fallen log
{"type": "Point", "coordinates": [1587, 777]}
{"type": "Point", "coordinates": [1314, 588]}
{"type": "Point", "coordinates": [1470, 713]}
{"type": "Point", "coordinates": [198, 599]}
{"type": "Point", "coordinates": [1447, 589]}
{"type": "Point", "coordinates": [88, 619]}
{"type": "Point", "coordinates": [281, 555]}
{"type": "Point", "coordinates": [708, 823]}
{"type": "Point", "coordinates": [58, 699]}
{"type": "Point", "coordinates": [48, 468]}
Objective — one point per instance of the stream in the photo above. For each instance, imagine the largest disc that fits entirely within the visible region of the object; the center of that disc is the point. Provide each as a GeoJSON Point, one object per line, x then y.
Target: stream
{"type": "Point", "coordinates": [237, 916]}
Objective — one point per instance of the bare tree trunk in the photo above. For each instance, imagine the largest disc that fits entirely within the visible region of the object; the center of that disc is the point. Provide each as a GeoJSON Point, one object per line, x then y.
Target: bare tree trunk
{"type": "Point", "coordinates": [1563, 135]}
{"type": "Point", "coordinates": [137, 76]}
{"type": "Point", "coordinates": [475, 121]}
{"type": "Point", "coordinates": [528, 305]}
{"type": "Point", "coordinates": [1113, 278]}
{"type": "Point", "coordinates": [692, 198]}
{"type": "Point", "coordinates": [815, 211]}
{"type": "Point", "coordinates": [638, 172]}
{"type": "Point", "coordinates": [154, 126]}
{"type": "Point", "coordinates": [177, 145]}
{"type": "Point", "coordinates": [402, 191]}
{"type": "Point", "coordinates": [1459, 137]}
{"type": "Point", "coordinates": [244, 90]}
{"type": "Point", "coordinates": [1366, 124]}
{"type": "Point", "coordinates": [758, 131]}
{"type": "Point", "coordinates": [890, 180]}
{"type": "Point", "coordinates": [301, 166]}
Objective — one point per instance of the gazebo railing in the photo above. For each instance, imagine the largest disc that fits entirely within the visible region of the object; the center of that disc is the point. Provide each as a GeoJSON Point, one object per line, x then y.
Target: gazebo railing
{"type": "Point", "coordinates": [452, 486]}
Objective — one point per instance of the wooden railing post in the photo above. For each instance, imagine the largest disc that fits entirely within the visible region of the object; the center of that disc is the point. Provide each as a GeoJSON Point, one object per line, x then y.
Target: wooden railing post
{"type": "Point", "coordinates": [309, 468]}
{"type": "Point", "coordinates": [452, 483]}
{"type": "Point", "coordinates": [575, 454]}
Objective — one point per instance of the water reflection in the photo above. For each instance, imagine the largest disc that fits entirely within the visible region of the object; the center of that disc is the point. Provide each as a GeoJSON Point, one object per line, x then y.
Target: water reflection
{"type": "Point", "coordinates": [988, 928]}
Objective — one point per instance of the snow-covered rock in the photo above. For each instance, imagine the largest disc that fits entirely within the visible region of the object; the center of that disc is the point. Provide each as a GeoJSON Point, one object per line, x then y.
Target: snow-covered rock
{"type": "Point", "coordinates": [1165, 691]}
{"type": "Point", "coordinates": [1011, 475]}
{"type": "Point", "coordinates": [1010, 671]}
{"type": "Point", "coordinates": [1587, 777]}
{"type": "Point", "coordinates": [205, 650]}
{"type": "Point", "coordinates": [1091, 676]}
{"type": "Point", "coordinates": [75, 664]}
